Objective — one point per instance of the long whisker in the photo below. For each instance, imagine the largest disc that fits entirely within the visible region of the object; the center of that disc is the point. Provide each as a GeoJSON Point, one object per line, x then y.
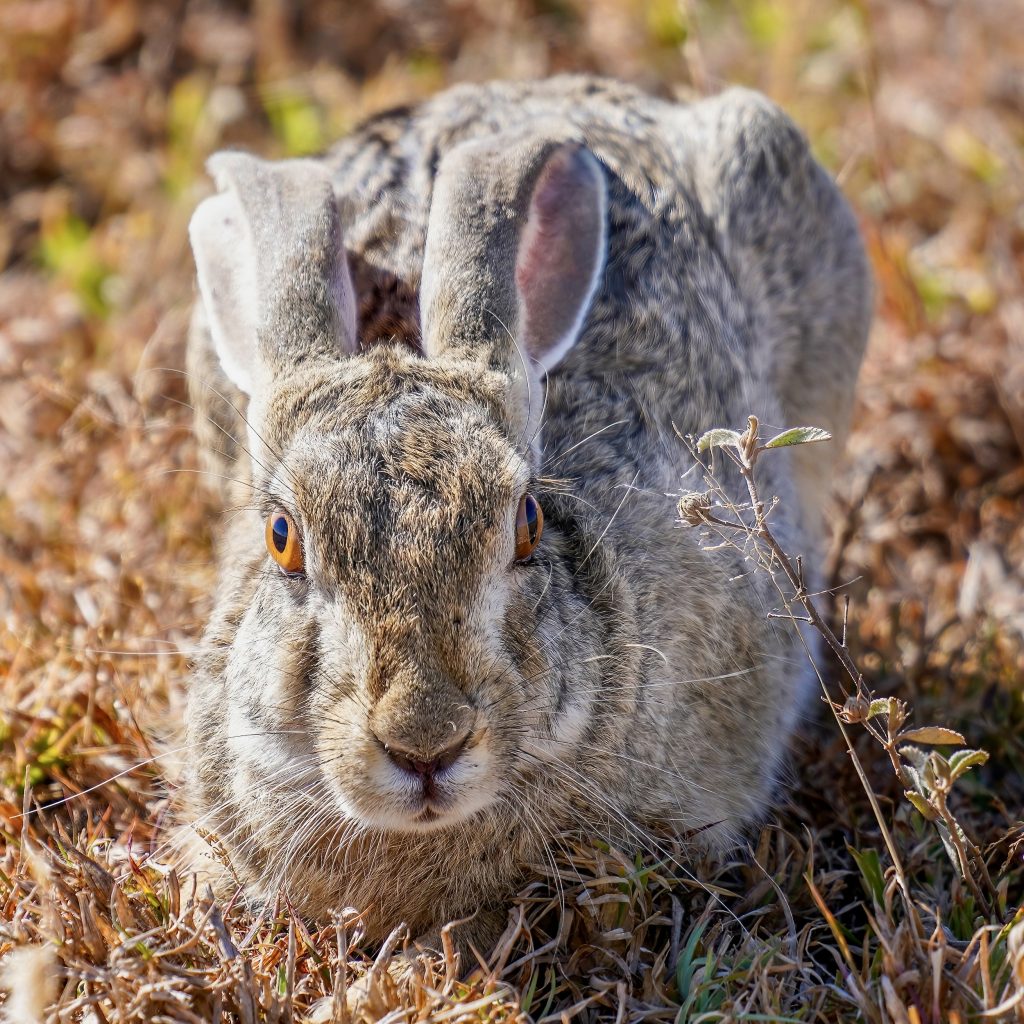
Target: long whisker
{"type": "Point", "coordinates": [556, 458]}
{"type": "Point", "coordinates": [633, 830]}
{"type": "Point", "coordinates": [266, 469]}
{"type": "Point", "coordinates": [608, 525]}
{"type": "Point", "coordinates": [238, 412]}
{"type": "Point", "coordinates": [128, 771]}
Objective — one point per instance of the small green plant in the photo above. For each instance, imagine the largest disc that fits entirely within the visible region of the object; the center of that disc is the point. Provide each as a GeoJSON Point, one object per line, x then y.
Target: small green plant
{"type": "Point", "coordinates": [296, 121]}
{"type": "Point", "coordinates": [68, 250]}
{"type": "Point", "coordinates": [927, 777]}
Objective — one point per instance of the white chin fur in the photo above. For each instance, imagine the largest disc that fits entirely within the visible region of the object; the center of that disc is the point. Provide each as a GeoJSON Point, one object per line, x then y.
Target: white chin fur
{"type": "Point", "coordinates": [411, 821]}
{"type": "Point", "coordinates": [394, 802]}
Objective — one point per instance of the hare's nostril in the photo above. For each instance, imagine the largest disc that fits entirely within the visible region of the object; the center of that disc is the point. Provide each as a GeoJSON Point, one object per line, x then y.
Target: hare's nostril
{"type": "Point", "coordinates": [425, 764]}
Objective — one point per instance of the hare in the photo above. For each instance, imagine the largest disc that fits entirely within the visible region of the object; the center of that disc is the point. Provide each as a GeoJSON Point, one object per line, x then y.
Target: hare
{"type": "Point", "coordinates": [449, 363]}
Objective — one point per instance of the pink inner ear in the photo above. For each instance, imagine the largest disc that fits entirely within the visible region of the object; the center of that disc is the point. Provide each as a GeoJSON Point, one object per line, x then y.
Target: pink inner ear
{"type": "Point", "coordinates": [545, 243]}
{"type": "Point", "coordinates": [561, 251]}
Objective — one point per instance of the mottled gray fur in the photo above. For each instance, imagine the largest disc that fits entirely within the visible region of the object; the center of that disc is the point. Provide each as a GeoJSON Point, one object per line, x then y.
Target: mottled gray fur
{"type": "Point", "coordinates": [626, 678]}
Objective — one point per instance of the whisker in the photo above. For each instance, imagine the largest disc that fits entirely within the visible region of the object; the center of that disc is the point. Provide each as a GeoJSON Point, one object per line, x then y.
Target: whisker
{"type": "Point", "coordinates": [561, 455]}
{"type": "Point", "coordinates": [120, 775]}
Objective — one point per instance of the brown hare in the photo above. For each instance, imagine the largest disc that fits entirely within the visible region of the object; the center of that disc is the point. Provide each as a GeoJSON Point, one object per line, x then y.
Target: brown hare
{"type": "Point", "coordinates": [449, 362]}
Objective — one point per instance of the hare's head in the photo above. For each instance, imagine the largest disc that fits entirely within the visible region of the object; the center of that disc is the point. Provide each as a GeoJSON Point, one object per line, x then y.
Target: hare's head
{"type": "Point", "coordinates": [396, 622]}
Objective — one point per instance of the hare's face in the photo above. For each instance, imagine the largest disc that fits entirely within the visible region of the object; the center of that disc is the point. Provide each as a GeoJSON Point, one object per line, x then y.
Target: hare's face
{"type": "Point", "coordinates": [384, 636]}
{"type": "Point", "coordinates": [408, 639]}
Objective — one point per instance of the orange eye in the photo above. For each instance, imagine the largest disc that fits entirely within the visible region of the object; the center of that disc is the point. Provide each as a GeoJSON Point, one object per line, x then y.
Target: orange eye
{"type": "Point", "coordinates": [529, 526]}
{"type": "Point", "coordinates": [283, 543]}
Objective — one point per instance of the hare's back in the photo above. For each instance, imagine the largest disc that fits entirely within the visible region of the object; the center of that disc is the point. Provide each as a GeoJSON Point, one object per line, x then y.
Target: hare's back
{"type": "Point", "coordinates": [384, 173]}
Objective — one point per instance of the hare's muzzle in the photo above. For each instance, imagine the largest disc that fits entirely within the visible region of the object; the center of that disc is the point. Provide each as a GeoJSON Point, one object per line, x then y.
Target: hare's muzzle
{"type": "Point", "coordinates": [426, 766]}
{"type": "Point", "coordinates": [419, 759]}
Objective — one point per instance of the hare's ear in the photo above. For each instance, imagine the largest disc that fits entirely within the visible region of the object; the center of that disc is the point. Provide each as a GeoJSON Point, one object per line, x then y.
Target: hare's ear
{"type": "Point", "coordinates": [515, 249]}
{"type": "Point", "coordinates": [271, 267]}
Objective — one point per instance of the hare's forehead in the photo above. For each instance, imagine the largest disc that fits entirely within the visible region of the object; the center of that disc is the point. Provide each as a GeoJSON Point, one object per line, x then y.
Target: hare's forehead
{"type": "Point", "coordinates": [427, 453]}
{"type": "Point", "coordinates": [380, 503]}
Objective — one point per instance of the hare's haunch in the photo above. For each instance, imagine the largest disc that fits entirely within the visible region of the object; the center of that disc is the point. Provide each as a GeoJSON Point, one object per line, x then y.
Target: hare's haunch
{"type": "Point", "coordinates": [451, 359]}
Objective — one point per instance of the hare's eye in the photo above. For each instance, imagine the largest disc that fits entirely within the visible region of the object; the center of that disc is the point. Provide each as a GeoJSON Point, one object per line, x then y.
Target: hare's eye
{"type": "Point", "coordinates": [283, 543]}
{"type": "Point", "coordinates": [529, 526]}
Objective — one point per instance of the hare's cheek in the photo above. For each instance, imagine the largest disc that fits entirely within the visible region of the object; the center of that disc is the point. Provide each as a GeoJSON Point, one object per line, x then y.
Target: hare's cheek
{"type": "Point", "coordinates": [563, 731]}
{"type": "Point", "coordinates": [342, 650]}
{"type": "Point", "coordinates": [566, 716]}
{"type": "Point", "coordinates": [257, 755]}
{"type": "Point", "coordinates": [269, 661]}
{"type": "Point", "coordinates": [263, 679]}
{"type": "Point", "coordinates": [570, 724]}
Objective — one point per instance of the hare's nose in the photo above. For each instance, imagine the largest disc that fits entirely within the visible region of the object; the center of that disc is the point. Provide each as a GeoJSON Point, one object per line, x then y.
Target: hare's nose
{"type": "Point", "coordinates": [425, 764]}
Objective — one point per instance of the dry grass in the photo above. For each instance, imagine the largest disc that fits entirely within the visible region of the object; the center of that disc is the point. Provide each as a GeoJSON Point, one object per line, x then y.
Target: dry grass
{"type": "Point", "coordinates": [106, 113]}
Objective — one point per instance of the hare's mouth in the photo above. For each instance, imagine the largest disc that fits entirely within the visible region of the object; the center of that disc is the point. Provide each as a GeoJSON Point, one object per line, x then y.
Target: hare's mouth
{"type": "Point", "coordinates": [387, 793]}
{"type": "Point", "coordinates": [437, 805]}
{"type": "Point", "coordinates": [422, 814]}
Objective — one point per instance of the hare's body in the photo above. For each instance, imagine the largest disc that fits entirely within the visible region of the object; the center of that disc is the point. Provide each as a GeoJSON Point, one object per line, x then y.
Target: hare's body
{"type": "Point", "coordinates": [627, 676]}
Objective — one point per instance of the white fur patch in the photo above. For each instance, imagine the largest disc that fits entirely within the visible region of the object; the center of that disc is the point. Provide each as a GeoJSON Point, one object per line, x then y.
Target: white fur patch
{"type": "Point", "coordinates": [226, 270]}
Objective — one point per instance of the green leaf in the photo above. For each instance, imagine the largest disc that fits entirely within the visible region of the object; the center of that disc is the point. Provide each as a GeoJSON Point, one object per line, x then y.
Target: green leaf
{"type": "Point", "coordinates": [718, 438]}
{"type": "Point", "coordinates": [798, 435]}
{"type": "Point", "coordinates": [295, 119]}
{"type": "Point", "coordinates": [964, 760]}
{"type": "Point", "coordinates": [921, 804]}
{"type": "Point", "coordinates": [940, 767]}
{"type": "Point", "coordinates": [69, 251]}
{"type": "Point", "coordinates": [666, 22]}
{"type": "Point", "coordinates": [912, 773]}
{"type": "Point", "coordinates": [934, 734]}
{"type": "Point", "coordinates": [527, 997]}
{"type": "Point", "coordinates": [916, 756]}
{"type": "Point", "coordinates": [686, 966]}
{"type": "Point", "coordinates": [871, 871]}
{"type": "Point", "coordinates": [879, 707]}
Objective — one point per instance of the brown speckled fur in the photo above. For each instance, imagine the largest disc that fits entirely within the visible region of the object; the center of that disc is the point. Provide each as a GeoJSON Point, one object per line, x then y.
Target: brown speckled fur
{"type": "Point", "coordinates": [626, 676]}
